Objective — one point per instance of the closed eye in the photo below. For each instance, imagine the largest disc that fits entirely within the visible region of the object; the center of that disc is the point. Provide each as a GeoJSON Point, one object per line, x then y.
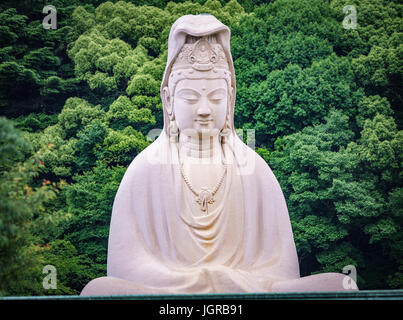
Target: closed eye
{"type": "Point", "coordinates": [189, 95]}
{"type": "Point", "coordinates": [217, 95]}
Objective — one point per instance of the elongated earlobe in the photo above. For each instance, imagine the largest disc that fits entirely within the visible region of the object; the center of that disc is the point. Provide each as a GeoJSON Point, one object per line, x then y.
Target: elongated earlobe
{"type": "Point", "coordinates": [173, 131]}
{"type": "Point", "coordinates": [167, 102]}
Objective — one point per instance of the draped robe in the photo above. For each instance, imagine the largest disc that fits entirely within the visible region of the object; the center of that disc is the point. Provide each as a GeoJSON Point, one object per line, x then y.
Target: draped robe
{"type": "Point", "coordinates": [161, 243]}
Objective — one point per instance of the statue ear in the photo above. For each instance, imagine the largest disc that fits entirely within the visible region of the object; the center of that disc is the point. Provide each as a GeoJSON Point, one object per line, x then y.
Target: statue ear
{"type": "Point", "coordinates": [166, 97]}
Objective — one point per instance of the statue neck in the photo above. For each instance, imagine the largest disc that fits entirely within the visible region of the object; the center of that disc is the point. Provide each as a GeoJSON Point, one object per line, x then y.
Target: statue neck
{"type": "Point", "coordinates": [200, 148]}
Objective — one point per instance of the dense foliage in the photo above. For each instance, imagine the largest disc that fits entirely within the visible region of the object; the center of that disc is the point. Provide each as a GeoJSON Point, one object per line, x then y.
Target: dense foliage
{"type": "Point", "coordinates": [80, 101]}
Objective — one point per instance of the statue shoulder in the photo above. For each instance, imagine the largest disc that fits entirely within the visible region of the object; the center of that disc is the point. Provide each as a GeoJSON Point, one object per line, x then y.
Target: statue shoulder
{"type": "Point", "coordinates": [257, 166]}
{"type": "Point", "coordinates": [144, 161]}
{"type": "Point", "coordinates": [250, 162]}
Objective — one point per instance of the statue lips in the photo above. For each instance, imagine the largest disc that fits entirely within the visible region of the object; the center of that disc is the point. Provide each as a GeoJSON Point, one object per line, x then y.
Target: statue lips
{"type": "Point", "coordinates": [204, 121]}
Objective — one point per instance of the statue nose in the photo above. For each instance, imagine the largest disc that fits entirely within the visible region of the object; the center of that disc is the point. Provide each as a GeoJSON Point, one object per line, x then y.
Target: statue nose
{"type": "Point", "coordinates": [204, 109]}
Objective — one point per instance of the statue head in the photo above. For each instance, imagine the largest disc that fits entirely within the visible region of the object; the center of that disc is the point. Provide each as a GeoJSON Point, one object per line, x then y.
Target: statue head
{"type": "Point", "coordinates": [198, 88]}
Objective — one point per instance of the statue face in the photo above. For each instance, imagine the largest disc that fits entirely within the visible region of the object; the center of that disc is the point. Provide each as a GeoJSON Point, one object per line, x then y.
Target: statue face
{"type": "Point", "coordinates": [201, 104]}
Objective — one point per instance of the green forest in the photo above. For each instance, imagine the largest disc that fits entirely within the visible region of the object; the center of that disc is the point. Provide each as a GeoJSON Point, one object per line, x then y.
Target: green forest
{"type": "Point", "coordinates": [77, 103]}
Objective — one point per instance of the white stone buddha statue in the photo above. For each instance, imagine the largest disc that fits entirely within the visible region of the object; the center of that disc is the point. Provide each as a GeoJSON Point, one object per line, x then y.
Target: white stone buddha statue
{"type": "Point", "coordinates": [198, 211]}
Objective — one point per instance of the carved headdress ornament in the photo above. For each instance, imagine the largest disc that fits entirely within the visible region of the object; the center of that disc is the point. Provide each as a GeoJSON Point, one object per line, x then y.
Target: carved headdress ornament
{"type": "Point", "coordinates": [201, 54]}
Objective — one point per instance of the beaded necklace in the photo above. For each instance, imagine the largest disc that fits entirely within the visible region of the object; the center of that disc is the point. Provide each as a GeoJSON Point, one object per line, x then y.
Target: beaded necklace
{"type": "Point", "coordinates": [205, 196]}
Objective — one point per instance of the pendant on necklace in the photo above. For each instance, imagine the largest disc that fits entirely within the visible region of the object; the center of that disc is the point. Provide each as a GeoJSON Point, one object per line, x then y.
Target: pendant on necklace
{"type": "Point", "coordinates": [205, 198]}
